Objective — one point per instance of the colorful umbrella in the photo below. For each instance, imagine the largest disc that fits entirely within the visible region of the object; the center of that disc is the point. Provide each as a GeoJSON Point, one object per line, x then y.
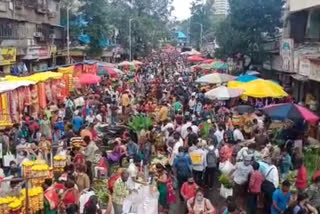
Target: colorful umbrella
{"type": "Point", "coordinates": [220, 65]}
{"type": "Point", "coordinates": [215, 78]}
{"type": "Point", "coordinates": [290, 111]}
{"type": "Point", "coordinates": [136, 62]}
{"type": "Point", "coordinates": [125, 63]}
{"type": "Point", "coordinates": [194, 59]}
{"type": "Point", "coordinates": [208, 61]}
{"type": "Point", "coordinates": [259, 88]}
{"type": "Point", "coordinates": [223, 93]}
{"type": "Point", "coordinates": [191, 53]}
{"type": "Point", "coordinates": [89, 79]}
{"type": "Point", "coordinates": [246, 78]}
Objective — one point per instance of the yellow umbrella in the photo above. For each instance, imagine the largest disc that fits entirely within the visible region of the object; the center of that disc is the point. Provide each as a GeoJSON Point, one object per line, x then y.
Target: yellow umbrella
{"type": "Point", "coordinates": [38, 77]}
{"type": "Point", "coordinates": [260, 88]}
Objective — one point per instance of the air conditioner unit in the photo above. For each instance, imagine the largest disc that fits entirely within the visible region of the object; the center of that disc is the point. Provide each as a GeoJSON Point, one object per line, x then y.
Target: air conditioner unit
{"type": "Point", "coordinates": [52, 14]}
{"type": "Point", "coordinates": [37, 34]}
{"type": "Point", "coordinates": [52, 36]}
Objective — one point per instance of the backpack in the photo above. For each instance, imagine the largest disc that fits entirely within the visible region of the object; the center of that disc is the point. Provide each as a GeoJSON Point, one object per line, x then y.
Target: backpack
{"type": "Point", "coordinates": [182, 167]}
{"type": "Point", "coordinates": [212, 159]}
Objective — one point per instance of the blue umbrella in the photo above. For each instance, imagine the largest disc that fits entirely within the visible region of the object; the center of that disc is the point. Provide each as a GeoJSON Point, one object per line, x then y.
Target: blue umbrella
{"type": "Point", "coordinates": [246, 78]}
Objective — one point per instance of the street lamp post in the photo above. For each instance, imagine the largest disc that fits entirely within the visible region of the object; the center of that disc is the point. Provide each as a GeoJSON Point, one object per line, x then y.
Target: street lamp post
{"type": "Point", "coordinates": [201, 34]}
{"type": "Point", "coordinates": [130, 40]}
{"type": "Point", "coordinates": [68, 35]}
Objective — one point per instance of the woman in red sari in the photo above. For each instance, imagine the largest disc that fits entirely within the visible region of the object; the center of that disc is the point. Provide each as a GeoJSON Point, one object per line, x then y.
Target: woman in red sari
{"type": "Point", "coordinates": [70, 198]}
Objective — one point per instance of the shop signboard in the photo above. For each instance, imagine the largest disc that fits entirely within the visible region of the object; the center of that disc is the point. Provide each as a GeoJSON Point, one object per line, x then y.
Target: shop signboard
{"type": "Point", "coordinates": [315, 71]}
{"type": "Point", "coordinates": [44, 52]}
{"type": "Point", "coordinates": [304, 67]}
{"type": "Point", "coordinates": [286, 52]}
{"type": "Point", "coordinates": [37, 52]}
{"type": "Point", "coordinates": [8, 56]}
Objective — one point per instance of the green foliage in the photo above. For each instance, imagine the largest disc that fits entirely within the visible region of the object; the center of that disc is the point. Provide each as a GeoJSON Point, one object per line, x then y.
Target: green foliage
{"type": "Point", "coordinates": [101, 190]}
{"type": "Point", "coordinates": [312, 159]}
{"type": "Point", "coordinates": [245, 26]}
{"type": "Point", "coordinates": [205, 129]}
{"type": "Point", "coordinates": [140, 122]}
{"type": "Point", "coordinates": [226, 181]}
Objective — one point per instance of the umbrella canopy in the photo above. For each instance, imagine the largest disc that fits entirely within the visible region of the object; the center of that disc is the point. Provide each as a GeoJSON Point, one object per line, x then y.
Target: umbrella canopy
{"type": "Point", "coordinates": [125, 63]}
{"type": "Point", "coordinates": [215, 78]}
{"type": "Point", "coordinates": [290, 111]}
{"type": "Point", "coordinates": [195, 59]}
{"type": "Point", "coordinates": [89, 79]}
{"type": "Point", "coordinates": [259, 88]}
{"type": "Point", "coordinates": [220, 65]}
{"type": "Point", "coordinates": [241, 109]}
{"type": "Point", "coordinates": [136, 62]}
{"type": "Point", "coordinates": [223, 93]}
{"type": "Point", "coordinates": [191, 53]}
{"type": "Point", "coordinates": [253, 73]}
{"type": "Point", "coordinates": [208, 61]}
{"type": "Point", "coordinates": [246, 78]}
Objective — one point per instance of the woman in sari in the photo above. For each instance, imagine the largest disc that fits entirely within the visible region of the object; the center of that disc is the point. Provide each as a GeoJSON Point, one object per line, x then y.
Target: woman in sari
{"type": "Point", "coordinates": [70, 198]}
{"type": "Point", "coordinates": [162, 180]}
{"type": "Point", "coordinates": [117, 153]}
{"type": "Point", "coordinates": [51, 198]}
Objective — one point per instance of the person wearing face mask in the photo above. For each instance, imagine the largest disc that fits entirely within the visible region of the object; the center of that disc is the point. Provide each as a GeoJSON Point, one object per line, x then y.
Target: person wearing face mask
{"type": "Point", "coordinates": [281, 198]}
{"type": "Point", "coordinates": [189, 189]}
{"type": "Point", "coordinates": [200, 205]}
{"type": "Point", "coordinates": [182, 167]}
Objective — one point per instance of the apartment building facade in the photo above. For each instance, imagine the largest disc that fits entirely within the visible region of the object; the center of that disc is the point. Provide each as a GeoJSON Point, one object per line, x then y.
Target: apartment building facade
{"type": "Point", "coordinates": [30, 35]}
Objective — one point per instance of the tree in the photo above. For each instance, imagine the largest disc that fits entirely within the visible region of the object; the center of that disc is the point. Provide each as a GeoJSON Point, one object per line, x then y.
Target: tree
{"type": "Point", "coordinates": [201, 14]}
{"type": "Point", "coordinates": [94, 12]}
{"type": "Point", "coordinates": [247, 23]}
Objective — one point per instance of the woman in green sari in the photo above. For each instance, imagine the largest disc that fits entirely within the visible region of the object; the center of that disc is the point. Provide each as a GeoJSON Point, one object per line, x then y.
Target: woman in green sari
{"type": "Point", "coordinates": [162, 179]}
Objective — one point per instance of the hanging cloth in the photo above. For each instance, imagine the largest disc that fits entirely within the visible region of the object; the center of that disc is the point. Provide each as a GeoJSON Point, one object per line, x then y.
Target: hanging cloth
{"type": "Point", "coordinates": [42, 95]}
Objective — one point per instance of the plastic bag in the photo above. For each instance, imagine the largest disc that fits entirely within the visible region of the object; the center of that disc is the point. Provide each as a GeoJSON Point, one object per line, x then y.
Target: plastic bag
{"type": "Point", "coordinates": [225, 193]}
{"type": "Point", "coordinates": [7, 159]}
{"type": "Point", "coordinates": [226, 167]}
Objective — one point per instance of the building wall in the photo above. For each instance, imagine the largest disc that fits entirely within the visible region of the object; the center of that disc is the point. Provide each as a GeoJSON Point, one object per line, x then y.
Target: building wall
{"type": "Point", "coordinates": [221, 7]}
{"type": "Point", "coordinates": [296, 5]}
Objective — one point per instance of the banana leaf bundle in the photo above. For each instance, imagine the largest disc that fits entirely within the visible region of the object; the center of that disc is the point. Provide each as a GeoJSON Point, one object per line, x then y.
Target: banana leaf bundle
{"type": "Point", "coordinates": [226, 181]}
{"type": "Point", "coordinates": [140, 122]}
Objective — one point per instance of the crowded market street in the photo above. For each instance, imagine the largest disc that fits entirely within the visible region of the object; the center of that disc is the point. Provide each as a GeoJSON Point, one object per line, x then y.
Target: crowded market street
{"type": "Point", "coordinates": [149, 107]}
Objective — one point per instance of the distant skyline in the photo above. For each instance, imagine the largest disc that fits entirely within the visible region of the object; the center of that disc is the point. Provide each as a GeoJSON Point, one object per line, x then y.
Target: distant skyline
{"type": "Point", "coordinates": [182, 9]}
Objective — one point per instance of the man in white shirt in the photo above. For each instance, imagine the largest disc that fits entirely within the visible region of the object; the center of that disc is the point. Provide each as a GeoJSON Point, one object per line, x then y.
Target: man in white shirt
{"type": "Point", "coordinates": [199, 163]}
{"type": "Point", "coordinates": [219, 134]}
{"type": "Point", "coordinates": [177, 145]}
{"type": "Point", "coordinates": [166, 129]}
{"type": "Point", "coordinates": [184, 127]}
{"type": "Point", "coordinates": [270, 172]}
{"type": "Point", "coordinates": [237, 135]}
{"type": "Point", "coordinates": [192, 101]}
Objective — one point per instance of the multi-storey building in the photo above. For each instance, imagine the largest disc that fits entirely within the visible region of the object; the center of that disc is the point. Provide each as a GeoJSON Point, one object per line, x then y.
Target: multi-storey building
{"type": "Point", "coordinates": [30, 34]}
{"type": "Point", "coordinates": [221, 7]}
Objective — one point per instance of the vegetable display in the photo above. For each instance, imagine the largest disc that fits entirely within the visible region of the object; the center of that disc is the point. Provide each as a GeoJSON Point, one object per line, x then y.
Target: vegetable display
{"type": "Point", "coordinates": [101, 190]}
{"type": "Point", "coordinates": [225, 181]}
{"type": "Point", "coordinates": [140, 122]}
{"type": "Point", "coordinates": [312, 159]}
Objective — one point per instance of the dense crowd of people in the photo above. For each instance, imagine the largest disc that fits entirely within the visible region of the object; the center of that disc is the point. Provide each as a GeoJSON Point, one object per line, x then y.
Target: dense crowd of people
{"type": "Point", "coordinates": [201, 139]}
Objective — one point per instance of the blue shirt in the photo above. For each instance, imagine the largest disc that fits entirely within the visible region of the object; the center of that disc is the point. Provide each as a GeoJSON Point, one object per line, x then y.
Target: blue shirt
{"type": "Point", "coordinates": [281, 200]}
{"type": "Point", "coordinates": [77, 123]}
{"type": "Point", "coordinates": [60, 126]}
{"type": "Point", "coordinates": [286, 164]}
{"type": "Point", "coordinates": [132, 149]}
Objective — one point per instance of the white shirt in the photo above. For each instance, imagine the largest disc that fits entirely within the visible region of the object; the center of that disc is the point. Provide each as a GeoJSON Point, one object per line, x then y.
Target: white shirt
{"type": "Point", "coordinates": [203, 163]}
{"type": "Point", "coordinates": [99, 117]}
{"type": "Point", "coordinates": [175, 150]}
{"type": "Point", "coordinates": [195, 129]}
{"type": "Point", "coordinates": [241, 174]}
{"type": "Point", "coordinates": [219, 135]}
{"type": "Point", "coordinates": [270, 173]}
{"type": "Point", "coordinates": [165, 129]}
{"type": "Point", "coordinates": [90, 119]}
{"type": "Point", "coordinates": [237, 135]}
{"type": "Point", "coordinates": [184, 132]}
{"type": "Point", "coordinates": [192, 103]}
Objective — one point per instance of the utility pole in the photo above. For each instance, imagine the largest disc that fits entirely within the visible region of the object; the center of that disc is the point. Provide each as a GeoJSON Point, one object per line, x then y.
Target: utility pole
{"type": "Point", "coordinates": [68, 35]}
{"type": "Point", "coordinates": [130, 40]}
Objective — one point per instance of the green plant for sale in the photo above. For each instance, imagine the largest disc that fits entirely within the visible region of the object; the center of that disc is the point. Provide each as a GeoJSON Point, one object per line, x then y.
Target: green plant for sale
{"type": "Point", "coordinates": [226, 181]}
{"type": "Point", "coordinates": [140, 122]}
{"type": "Point", "coordinates": [312, 159]}
{"type": "Point", "coordinates": [101, 191]}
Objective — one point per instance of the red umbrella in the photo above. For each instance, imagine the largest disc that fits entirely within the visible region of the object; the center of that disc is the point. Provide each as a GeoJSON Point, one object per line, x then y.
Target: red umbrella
{"type": "Point", "coordinates": [195, 59]}
{"type": "Point", "coordinates": [89, 79]}
{"type": "Point", "coordinates": [208, 61]}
